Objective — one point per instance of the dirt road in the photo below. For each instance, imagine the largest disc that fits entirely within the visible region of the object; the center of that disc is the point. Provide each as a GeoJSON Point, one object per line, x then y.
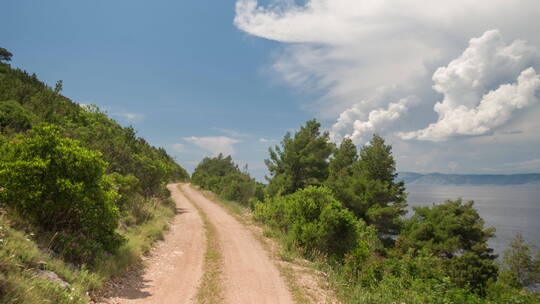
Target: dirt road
{"type": "Point", "coordinates": [249, 274]}
{"type": "Point", "coordinates": [173, 272]}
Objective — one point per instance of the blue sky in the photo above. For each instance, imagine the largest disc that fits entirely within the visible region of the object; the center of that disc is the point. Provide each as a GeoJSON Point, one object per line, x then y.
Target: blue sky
{"type": "Point", "coordinates": [181, 65]}
{"type": "Point", "coordinates": [199, 77]}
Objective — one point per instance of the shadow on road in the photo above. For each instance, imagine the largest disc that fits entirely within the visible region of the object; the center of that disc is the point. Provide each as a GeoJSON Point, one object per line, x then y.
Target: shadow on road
{"type": "Point", "coordinates": [130, 286]}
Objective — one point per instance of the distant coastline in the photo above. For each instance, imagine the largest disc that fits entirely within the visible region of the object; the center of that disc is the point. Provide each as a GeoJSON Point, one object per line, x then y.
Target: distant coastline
{"type": "Point", "coordinates": [412, 178]}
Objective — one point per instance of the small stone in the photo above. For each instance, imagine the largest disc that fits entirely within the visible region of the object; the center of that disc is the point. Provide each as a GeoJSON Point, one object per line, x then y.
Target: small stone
{"type": "Point", "coordinates": [51, 276]}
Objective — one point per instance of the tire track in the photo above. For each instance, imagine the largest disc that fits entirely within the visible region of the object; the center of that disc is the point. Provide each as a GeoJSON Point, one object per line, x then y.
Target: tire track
{"type": "Point", "coordinates": [249, 276]}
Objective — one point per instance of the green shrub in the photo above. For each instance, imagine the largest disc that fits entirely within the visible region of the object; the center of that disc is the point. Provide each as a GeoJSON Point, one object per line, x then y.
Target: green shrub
{"type": "Point", "coordinates": [128, 188]}
{"type": "Point", "coordinates": [61, 187]}
{"type": "Point", "coordinates": [312, 219]}
{"type": "Point", "coordinates": [14, 116]}
{"type": "Point", "coordinates": [408, 278]}
{"type": "Point", "coordinates": [223, 177]}
{"type": "Point", "coordinates": [356, 259]}
{"type": "Point", "coordinates": [501, 292]}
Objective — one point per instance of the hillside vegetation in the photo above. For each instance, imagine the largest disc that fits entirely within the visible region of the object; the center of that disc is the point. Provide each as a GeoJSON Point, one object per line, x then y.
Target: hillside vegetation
{"type": "Point", "coordinates": [223, 177]}
{"type": "Point", "coordinates": [344, 209]}
{"type": "Point", "coordinates": [80, 195]}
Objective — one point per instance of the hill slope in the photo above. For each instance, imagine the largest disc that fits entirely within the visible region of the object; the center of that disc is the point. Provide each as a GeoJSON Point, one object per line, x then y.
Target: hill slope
{"type": "Point", "coordinates": [81, 197]}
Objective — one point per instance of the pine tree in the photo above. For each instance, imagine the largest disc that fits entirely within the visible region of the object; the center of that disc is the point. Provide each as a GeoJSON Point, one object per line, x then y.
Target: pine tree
{"type": "Point", "coordinates": [301, 161]}
{"type": "Point", "coordinates": [384, 197]}
{"type": "Point", "coordinates": [5, 55]}
{"type": "Point", "coordinates": [366, 185]}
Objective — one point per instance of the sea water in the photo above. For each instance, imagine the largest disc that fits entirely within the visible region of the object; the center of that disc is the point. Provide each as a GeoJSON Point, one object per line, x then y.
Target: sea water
{"type": "Point", "coordinates": [510, 209]}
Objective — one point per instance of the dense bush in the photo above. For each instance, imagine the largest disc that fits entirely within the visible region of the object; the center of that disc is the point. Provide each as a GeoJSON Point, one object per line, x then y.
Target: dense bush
{"type": "Point", "coordinates": [61, 187]}
{"type": "Point", "coordinates": [413, 277]}
{"type": "Point", "coordinates": [14, 117]}
{"type": "Point", "coordinates": [314, 220]}
{"type": "Point", "coordinates": [222, 176]}
{"type": "Point", "coordinates": [364, 181]}
{"type": "Point", "coordinates": [63, 175]}
{"type": "Point", "coordinates": [455, 232]}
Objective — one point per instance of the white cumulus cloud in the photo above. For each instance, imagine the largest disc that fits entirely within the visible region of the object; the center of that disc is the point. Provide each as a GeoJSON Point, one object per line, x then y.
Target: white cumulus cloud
{"type": "Point", "coordinates": [477, 94]}
{"type": "Point", "coordinates": [356, 60]}
{"type": "Point", "coordinates": [377, 120]}
{"type": "Point", "coordinates": [346, 49]}
{"type": "Point", "coordinates": [214, 144]}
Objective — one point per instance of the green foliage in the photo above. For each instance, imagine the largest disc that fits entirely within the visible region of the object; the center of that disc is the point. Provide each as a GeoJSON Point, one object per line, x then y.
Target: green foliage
{"type": "Point", "coordinates": [455, 232]}
{"type": "Point", "coordinates": [129, 188]}
{"type": "Point", "coordinates": [408, 279]}
{"type": "Point", "coordinates": [366, 185]}
{"type": "Point", "coordinates": [5, 55]}
{"type": "Point", "coordinates": [440, 255]}
{"type": "Point", "coordinates": [61, 187]}
{"type": "Point", "coordinates": [314, 220]}
{"type": "Point", "coordinates": [521, 267]}
{"type": "Point", "coordinates": [377, 161]}
{"type": "Point", "coordinates": [412, 277]}
{"type": "Point", "coordinates": [223, 177]}
{"type": "Point", "coordinates": [14, 117]}
{"type": "Point", "coordinates": [301, 161]}
{"type": "Point", "coordinates": [54, 180]}
{"type": "Point", "coordinates": [126, 153]}
{"type": "Point", "coordinates": [502, 292]}
{"type": "Point", "coordinates": [343, 160]}
{"type": "Point", "coordinates": [25, 101]}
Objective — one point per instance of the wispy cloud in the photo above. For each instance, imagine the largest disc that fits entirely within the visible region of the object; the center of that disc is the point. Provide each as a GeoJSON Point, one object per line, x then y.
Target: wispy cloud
{"type": "Point", "coordinates": [532, 164]}
{"type": "Point", "coordinates": [178, 147]}
{"type": "Point", "coordinates": [129, 116]}
{"type": "Point", "coordinates": [266, 140]}
{"type": "Point", "coordinates": [232, 133]}
{"type": "Point", "coordinates": [214, 144]}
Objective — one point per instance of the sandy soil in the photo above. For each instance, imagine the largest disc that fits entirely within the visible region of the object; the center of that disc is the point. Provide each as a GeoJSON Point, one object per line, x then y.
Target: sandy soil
{"type": "Point", "coordinates": [249, 276]}
{"type": "Point", "coordinates": [173, 271]}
